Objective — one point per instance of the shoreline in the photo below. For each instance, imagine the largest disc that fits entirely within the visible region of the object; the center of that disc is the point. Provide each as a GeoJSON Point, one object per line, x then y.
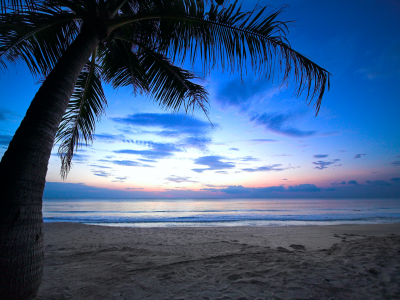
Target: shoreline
{"type": "Point", "coordinates": [276, 262]}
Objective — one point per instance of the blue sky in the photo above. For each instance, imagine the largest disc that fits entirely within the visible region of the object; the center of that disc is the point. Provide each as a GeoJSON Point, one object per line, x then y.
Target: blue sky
{"type": "Point", "coordinates": [263, 142]}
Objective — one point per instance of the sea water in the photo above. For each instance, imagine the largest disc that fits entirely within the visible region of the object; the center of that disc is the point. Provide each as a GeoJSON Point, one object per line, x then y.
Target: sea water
{"type": "Point", "coordinates": [222, 212]}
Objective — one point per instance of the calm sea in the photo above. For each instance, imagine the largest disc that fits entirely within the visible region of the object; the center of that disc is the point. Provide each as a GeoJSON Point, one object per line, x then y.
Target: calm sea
{"type": "Point", "coordinates": [226, 212]}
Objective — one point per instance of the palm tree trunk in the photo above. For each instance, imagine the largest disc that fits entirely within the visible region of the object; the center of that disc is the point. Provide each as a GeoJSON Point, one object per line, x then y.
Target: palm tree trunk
{"type": "Point", "coordinates": [23, 171]}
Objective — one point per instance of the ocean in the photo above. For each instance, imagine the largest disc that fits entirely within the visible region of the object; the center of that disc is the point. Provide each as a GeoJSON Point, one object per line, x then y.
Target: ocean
{"type": "Point", "coordinates": [222, 212]}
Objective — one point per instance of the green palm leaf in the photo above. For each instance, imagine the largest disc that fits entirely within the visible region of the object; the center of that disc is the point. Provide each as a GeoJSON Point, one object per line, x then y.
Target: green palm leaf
{"type": "Point", "coordinates": [85, 108]}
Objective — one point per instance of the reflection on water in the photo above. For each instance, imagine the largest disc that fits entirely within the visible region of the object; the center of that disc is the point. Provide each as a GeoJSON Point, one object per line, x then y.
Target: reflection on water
{"type": "Point", "coordinates": [227, 212]}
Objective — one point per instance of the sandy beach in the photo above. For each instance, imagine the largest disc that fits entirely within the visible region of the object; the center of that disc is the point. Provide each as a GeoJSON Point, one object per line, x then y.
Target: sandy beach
{"type": "Point", "coordinates": [310, 262]}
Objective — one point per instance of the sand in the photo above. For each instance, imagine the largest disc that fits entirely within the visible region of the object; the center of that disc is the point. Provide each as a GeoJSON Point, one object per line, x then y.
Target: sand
{"type": "Point", "coordinates": [307, 262]}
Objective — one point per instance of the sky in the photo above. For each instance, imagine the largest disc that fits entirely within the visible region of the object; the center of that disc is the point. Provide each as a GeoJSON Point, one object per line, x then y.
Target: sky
{"type": "Point", "coordinates": [263, 143]}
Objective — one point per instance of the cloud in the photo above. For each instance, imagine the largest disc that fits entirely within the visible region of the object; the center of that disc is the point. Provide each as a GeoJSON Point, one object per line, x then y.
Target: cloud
{"type": "Point", "coordinates": [109, 138]}
{"type": "Point", "coordinates": [158, 151]}
{"type": "Point", "coordinates": [271, 189]}
{"type": "Point", "coordinates": [147, 160]}
{"type": "Point", "coordinates": [199, 142]}
{"type": "Point", "coordinates": [259, 141]}
{"type": "Point", "coordinates": [179, 179]}
{"type": "Point", "coordinates": [234, 149]}
{"type": "Point", "coordinates": [101, 173]}
{"type": "Point", "coordinates": [170, 125]}
{"type": "Point", "coordinates": [352, 182]}
{"type": "Point", "coordinates": [395, 179]}
{"type": "Point", "coordinates": [62, 190]}
{"type": "Point", "coordinates": [330, 133]}
{"type": "Point", "coordinates": [278, 123]}
{"type": "Point", "coordinates": [249, 158]}
{"type": "Point", "coordinates": [378, 182]}
{"type": "Point", "coordinates": [140, 142]}
{"type": "Point", "coordinates": [236, 189]}
{"type": "Point", "coordinates": [213, 190]}
{"type": "Point", "coordinates": [146, 153]}
{"type": "Point", "coordinates": [213, 185]}
{"type": "Point", "coordinates": [304, 188]}
{"type": "Point", "coordinates": [338, 183]}
{"type": "Point", "coordinates": [129, 163]}
{"type": "Point", "coordinates": [80, 157]}
{"type": "Point", "coordinates": [281, 155]}
{"type": "Point", "coordinates": [5, 114]}
{"type": "Point", "coordinates": [275, 167]}
{"type": "Point", "coordinates": [98, 166]}
{"type": "Point", "coordinates": [395, 163]}
{"type": "Point", "coordinates": [77, 158]}
{"type": "Point", "coordinates": [235, 93]}
{"type": "Point", "coordinates": [221, 172]}
{"type": "Point", "coordinates": [213, 162]}
{"type": "Point", "coordinates": [66, 190]}
{"type": "Point", "coordinates": [320, 155]}
{"type": "Point", "coordinates": [5, 140]}
{"type": "Point", "coordinates": [324, 164]}
{"type": "Point", "coordinates": [359, 155]}
{"type": "Point", "coordinates": [120, 179]}
{"type": "Point", "coordinates": [192, 130]}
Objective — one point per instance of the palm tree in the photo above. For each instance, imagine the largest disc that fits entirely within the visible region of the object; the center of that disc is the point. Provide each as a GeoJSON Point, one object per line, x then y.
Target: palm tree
{"type": "Point", "coordinates": [73, 46]}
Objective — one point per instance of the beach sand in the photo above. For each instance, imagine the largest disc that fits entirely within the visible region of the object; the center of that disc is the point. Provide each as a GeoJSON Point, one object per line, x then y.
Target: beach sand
{"type": "Point", "coordinates": [296, 262]}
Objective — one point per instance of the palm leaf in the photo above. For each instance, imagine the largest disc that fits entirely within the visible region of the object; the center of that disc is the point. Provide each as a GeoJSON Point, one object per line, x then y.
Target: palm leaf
{"type": "Point", "coordinates": [170, 85]}
{"type": "Point", "coordinates": [121, 67]}
{"type": "Point", "coordinates": [229, 38]}
{"type": "Point", "coordinates": [17, 5]}
{"type": "Point", "coordinates": [128, 62]}
{"type": "Point", "coordinates": [85, 108]}
{"type": "Point", "coordinates": [38, 37]}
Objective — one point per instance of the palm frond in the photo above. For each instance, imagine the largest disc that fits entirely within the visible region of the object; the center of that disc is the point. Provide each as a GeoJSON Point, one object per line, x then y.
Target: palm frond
{"type": "Point", "coordinates": [85, 108]}
{"type": "Point", "coordinates": [121, 67]}
{"type": "Point", "coordinates": [170, 85]}
{"type": "Point", "coordinates": [229, 38]}
{"type": "Point", "coordinates": [16, 5]}
{"type": "Point", "coordinates": [128, 62]}
{"type": "Point", "coordinates": [37, 37]}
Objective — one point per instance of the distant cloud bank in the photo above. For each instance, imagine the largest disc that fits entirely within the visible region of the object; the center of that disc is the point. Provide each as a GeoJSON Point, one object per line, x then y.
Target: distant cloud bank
{"type": "Point", "coordinates": [341, 189]}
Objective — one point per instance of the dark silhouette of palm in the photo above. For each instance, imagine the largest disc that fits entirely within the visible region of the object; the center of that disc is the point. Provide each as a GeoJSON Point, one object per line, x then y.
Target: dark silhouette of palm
{"type": "Point", "coordinates": [73, 46]}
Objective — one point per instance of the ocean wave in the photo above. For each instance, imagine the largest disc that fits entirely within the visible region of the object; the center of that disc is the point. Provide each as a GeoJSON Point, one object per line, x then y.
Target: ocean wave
{"type": "Point", "coordinates": [213, 219]}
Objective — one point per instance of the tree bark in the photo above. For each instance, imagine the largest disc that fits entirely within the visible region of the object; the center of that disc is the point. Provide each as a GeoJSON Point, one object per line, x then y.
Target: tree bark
{"type": "Point", "coordinates": [23, 171]}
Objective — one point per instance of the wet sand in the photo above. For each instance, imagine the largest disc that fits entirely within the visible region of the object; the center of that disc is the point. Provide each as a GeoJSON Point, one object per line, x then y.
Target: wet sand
{"type": "Point", "coordinates": [296, 262]}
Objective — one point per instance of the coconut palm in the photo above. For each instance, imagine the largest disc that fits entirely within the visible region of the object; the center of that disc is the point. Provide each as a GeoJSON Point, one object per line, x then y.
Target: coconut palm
{"type": "Point", "coordinates": [72, 46]}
